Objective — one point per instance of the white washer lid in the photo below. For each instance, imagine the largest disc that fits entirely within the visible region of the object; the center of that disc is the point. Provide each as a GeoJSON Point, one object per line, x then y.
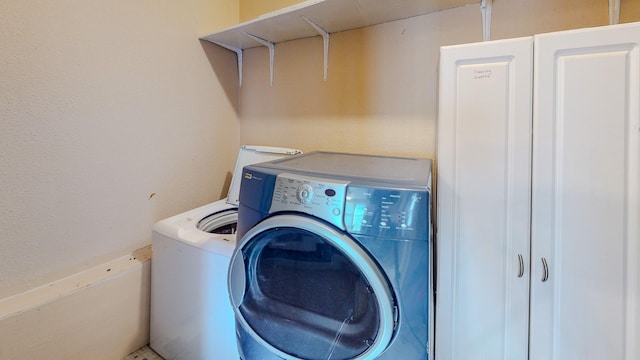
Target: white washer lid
{"type": "Point", "coordinates": [249, 155]}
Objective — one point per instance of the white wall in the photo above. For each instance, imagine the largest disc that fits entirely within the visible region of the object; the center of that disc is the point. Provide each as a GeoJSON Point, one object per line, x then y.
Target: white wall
{"type": "Point", "coordinates": [102, 105]}
{"type": "Point", "coordinates": [381, 92]}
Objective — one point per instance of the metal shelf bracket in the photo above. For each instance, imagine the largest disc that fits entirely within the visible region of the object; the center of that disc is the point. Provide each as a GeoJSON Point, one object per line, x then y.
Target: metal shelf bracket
{"type": "Point", "coordinates": [325, 38]}
{"type": "Point", "coordinates": [485, 9]}
{"type": "Point", "coordinates": [614, 12]}
{"type": "Point", "coordinates": [238, 52]}
{"type": "Point", "coordinates": [272, 49]}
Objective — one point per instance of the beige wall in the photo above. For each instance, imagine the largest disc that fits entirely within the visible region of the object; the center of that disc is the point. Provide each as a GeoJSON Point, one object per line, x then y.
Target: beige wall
{"type": "Point", "coordinates": [95, 314]}
{"type": "Point", "coordinates": [381, 92]}
{"type": "Point", "coordinates": [102, 104]}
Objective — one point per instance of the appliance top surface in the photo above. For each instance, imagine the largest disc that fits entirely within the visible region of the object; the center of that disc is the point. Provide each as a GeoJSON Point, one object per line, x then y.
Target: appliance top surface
{"type": "Point", "coordinates": [182, 228]}
{"type": "Point", "coordinates": [396, 170]}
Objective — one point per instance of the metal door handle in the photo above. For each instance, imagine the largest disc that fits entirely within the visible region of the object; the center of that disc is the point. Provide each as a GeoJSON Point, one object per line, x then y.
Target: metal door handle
{"type": "Point", "coordinates": [545, 270]}
{"type": "Point", "coordinates": [521, 270]}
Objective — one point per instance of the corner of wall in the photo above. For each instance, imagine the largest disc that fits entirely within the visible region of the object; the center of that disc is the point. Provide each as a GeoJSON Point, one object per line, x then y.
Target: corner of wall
{"type": "Point", "coordinates": [100, 313]}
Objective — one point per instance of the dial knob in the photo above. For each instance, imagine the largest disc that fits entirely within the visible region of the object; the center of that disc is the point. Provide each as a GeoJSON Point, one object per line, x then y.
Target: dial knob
{"type": "Point", "coordinates": [304, 193]}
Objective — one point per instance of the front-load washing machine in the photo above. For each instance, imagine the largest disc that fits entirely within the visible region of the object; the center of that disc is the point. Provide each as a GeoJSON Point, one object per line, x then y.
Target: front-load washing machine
{"type": "Point", "coordinates": [333, 259]}
{"type": "Point", "coordinates": [191, 317]}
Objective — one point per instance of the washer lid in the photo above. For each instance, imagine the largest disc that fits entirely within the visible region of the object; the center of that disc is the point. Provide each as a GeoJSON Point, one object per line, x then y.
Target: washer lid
{"type": "Point", "coordinates": [249, 155]}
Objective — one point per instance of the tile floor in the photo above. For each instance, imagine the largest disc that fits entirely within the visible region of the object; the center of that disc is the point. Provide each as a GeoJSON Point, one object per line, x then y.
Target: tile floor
{"type": "Point", "coordinates": [144, 353]}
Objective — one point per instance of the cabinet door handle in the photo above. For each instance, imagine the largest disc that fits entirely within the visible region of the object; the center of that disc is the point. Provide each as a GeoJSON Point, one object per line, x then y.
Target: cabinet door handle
{"type": "Point", "coordinates": [545, 270]}
{"type": "Point", "coordinates": [521, 270]}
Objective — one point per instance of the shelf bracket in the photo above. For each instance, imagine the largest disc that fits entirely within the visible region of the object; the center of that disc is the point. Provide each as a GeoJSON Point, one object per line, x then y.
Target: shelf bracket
{"type": "Point", "coordinates": [325, 38]}
{"type": "Point", "coordinates": [238, 52]}
{"type": "Point", "coordinates": [272, 49]}
{"type": "Point", "coordinates": [614, 12]}
{"type": "Point", "coordinates": [485, 9]}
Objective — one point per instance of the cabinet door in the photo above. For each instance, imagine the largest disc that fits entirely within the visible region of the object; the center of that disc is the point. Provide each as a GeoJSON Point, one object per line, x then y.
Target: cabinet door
{"type": "Point", "coordinates": [483, 189]}
{"type": "Point", "coordinates": [585, 195]}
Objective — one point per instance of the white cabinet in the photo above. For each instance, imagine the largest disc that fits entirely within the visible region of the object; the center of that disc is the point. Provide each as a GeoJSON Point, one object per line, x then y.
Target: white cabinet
{"type": "Point", "coordinates": [538, 243]}
{"type": "Point", "coordinates": [585, 207]}
{"type": "Point", "coordinates": [484, 156]}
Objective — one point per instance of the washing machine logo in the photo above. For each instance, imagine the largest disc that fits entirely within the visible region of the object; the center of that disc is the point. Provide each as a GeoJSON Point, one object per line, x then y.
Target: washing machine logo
{"type": "Point", "coordinates": [250, 176]}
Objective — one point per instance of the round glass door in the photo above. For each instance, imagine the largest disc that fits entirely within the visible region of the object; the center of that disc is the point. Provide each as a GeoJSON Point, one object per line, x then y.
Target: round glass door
{"type": "Point", "coordinates": [308, 291]}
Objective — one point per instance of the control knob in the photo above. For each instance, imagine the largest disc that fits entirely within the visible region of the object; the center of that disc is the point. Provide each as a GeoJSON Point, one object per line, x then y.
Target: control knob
{"type": "Point", "coordinates": [304, 193]}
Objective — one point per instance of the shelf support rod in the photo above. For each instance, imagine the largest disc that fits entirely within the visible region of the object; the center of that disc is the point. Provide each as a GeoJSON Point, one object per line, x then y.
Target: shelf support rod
{"type": "Point", "coordinates": [272, 49]}
{"type": "Point", "coordinates": [485, 9]}
{"type": "Point", "coordinates": [325, 38]}
{"type": "Point", "coordinates": [614, 12]}
{"type": "Point", "coordinates": [238, 52]}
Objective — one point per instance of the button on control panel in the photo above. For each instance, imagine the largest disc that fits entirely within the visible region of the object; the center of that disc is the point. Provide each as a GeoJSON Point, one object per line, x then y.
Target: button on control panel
{"type": "Point", "coordinates": [320, 197]}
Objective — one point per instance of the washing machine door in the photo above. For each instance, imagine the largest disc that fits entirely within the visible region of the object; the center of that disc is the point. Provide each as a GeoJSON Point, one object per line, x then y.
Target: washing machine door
{"type": "Point", "coordinates": [305, 290]}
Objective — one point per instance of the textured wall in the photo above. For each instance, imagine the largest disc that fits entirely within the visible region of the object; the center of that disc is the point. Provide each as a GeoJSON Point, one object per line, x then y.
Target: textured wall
{"type": "Point", "coordinates": [381, 92]}
{"type": "Point", "coordinates": [102, 104]}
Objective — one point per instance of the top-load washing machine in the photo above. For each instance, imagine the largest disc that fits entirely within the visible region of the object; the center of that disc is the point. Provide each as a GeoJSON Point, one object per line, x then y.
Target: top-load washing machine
{"type": "Point", "coordinates": [191, 317]}
{"type": "Point", "coordinates": [333, 259]}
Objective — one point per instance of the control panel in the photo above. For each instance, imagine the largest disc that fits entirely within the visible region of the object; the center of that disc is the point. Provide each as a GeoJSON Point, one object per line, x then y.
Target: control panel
{"type": "Point", "coordinates": [387, 213]}
{"type": "Point", "coordinates": [323, 198]}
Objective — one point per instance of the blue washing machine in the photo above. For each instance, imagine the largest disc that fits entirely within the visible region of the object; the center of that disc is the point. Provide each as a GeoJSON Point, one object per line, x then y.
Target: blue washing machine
{"type": "Point", "coordinates": [334, 259]}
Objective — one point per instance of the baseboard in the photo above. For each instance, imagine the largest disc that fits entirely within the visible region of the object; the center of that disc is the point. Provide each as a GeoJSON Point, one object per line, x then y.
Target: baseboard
{"type": "Point", "coordinates": [100, 313]}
